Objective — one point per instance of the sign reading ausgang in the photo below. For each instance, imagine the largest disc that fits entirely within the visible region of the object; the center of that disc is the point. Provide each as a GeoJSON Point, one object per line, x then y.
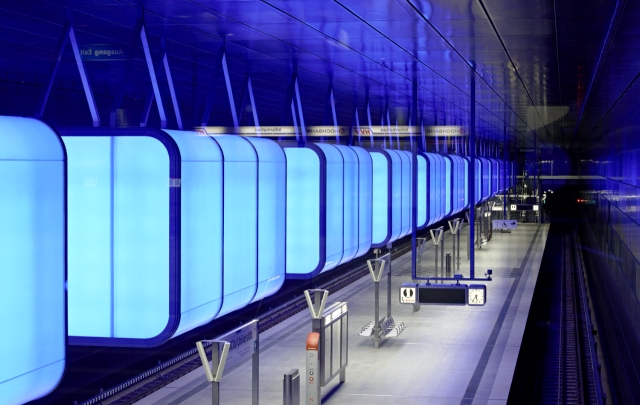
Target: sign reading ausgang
{"type": "Point", "coordinates": [242, 343]}
{"type": "Point", "coordinates": [98, 52]}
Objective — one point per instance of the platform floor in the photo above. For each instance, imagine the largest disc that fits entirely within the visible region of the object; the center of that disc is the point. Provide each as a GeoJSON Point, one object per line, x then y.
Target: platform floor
{"type": "Point", "coordinates": [447, 354]}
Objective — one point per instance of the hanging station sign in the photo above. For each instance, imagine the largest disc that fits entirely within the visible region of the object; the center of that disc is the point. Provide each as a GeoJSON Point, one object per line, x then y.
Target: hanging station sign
{"type": "Point", "coordinates": [445, 130]}
{"type": "Point", "coordinates": [270, 131]}
{"type": "Point", "coordinates": [333, 131]}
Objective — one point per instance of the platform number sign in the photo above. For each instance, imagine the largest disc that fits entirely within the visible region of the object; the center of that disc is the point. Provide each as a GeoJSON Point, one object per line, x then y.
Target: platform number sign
{"type": "Point", "coordinates": [408, 294]}
{"type": "Point", "coordinates": [514, 207]}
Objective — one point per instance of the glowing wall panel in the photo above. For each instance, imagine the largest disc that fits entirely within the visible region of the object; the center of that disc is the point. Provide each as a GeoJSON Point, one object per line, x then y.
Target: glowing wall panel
{"type": "Point", "coordinates": [200, 229]}
{"type": "Point", "coordinates": [305, 227]}
{"type": "Point", "coordinates": [123, 236]}
{"type": "Point", "coordinates": [496, 175]}
{"type": "Point", "coordinates": [406, 192]}
{"type": "Point", "coordinates": [32, 252]}
{"type": "Point", "coordinates": [437, 192]}
{"type": "Point", "coordinates": [350, 205]}
{"type": "Point", "coordinates": [478, 181]}
{"type": "Point", "coordinates": [448, 185]}
{"type": "Point", "coordinates": [422, 219]}
{"type": "Point", "coordinates": [396, 194]}
{"type": "Point", "coordinates": [466, 182]}
{"type": "Point", "coordinates": [382, 178]}
{"type": "Point", "coordinates": [240, 231]}
{"type": "Point", "coordinates": [486, 178]}
{"type": "Point", "coordinates": [272, 177]}
{"type": "Point", "coordinates": [334, 205]}
{"type": "Point", "coordinates": [365, 200]}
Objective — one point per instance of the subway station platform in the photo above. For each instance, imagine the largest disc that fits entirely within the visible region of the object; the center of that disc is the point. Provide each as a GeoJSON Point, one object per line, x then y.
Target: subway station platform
{"type": "Point", "coordinates": [446, 355]}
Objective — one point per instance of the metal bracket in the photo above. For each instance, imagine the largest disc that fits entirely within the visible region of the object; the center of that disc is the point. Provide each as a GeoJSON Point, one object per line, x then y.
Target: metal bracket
{"type": "Point", "coordinates": [437, 239]}
{"type": "Point", "coordinates": [211, 377]}
{"type": "Point", "coordinates": [317, 305]}
{"type": "Point", "coordinates": [377, 269]}
{"type": "Point", "coordinates": [455, 225]}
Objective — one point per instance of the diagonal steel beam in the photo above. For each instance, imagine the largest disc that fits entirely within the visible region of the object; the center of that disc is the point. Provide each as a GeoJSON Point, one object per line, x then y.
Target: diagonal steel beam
{"type": "Point", "coordinates": [153, 77]}
{"type": "Point", "coordinates": [172, 90]}
{"type": "Point", "coordinates": [333, 114]}
{"type": "Point", "coordinates": [227, 80]}
{"type": "Point", "coordinates": [85, 79]}
{"type": "Point", "coordinates": [55, 65]}
{"type": "Point", "coordinates": [288, 98]}
{"type": "Point", "coordinates": [146, 109]}
{"type": "Point", "coordinates": [256, 122]}
{"type": "Point", "coordinates": [243, 98]}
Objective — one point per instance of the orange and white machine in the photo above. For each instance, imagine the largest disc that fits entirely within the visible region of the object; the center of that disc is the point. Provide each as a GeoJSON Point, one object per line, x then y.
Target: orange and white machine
{"type": "Point", "coordinates": [313, 369]}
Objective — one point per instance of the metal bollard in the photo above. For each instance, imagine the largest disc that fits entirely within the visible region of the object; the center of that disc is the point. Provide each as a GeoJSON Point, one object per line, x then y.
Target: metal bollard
{"type": "Point", "coordinates": [291, 387]}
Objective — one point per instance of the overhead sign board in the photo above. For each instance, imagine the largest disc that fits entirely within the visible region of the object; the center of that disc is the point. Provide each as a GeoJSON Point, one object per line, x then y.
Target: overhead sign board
{"type": "Point", "coordinates": [442, 294]}
{"type": "Point", "coordinates": [514, 207]}
{"type": "Point", "coordinates": [505, 224]}
{"type": "Point", "coordinates": [336, 130]}
{"type": "Point", "coordinates": [445, 130]}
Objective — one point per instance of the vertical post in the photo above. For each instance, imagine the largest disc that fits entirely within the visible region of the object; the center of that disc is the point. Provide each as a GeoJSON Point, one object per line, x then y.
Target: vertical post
{"type": "Point", "coordinates": [376, 318]}
{"type": "Point", "coordinates": [472, 174]}
{"type": "Point", "coordinates": [442, 254]}
{"type": "Point", "coordinates": [255, 374]}
{"type": "Point", "coordinates": [291, 387]}
{"type": "Point", "coordinates": [453, 238]}
{"type": "Point", "coordinates": [389, 287]}
{"type": "Point", "coordinates": [414, 183]}
{"type": "Point", "coordinates": [215, 385]}
{"type": "Point", "coordinates": [458, 260]}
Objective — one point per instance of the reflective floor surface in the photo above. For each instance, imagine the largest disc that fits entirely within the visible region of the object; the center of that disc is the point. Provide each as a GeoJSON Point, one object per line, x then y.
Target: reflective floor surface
{"type": "Point", "coordinates": [446, 355]}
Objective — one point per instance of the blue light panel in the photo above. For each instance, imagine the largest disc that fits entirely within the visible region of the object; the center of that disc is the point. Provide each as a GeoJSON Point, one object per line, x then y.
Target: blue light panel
{"type": "Point", "coordinates": [422, 219]}
{"type": "Point", "coordinates": [240, 231]}
{"type": "Point", "coordinates": [406, 192]}
{"type": "Point", "coordinates": [396, 194]}
{"type": "Point", "coordinates": [466, 182]}
{"type": "Point", "coordinates": [32, 248]}
{"type": "Point", "coordinates": [448, 186]}
{"type": "Point", "coordinates": [495, 167]}
{"type": "Point", "coordinates": [305, 254]}
{"type": "Point", "coordinates": [335, 205]}
{"type": "Point", "coordinates": [118, 232]}
{"type": "Point", "coordinates": [201, 229]}
{"type": "Point", "coordinates": [381, 225]}
{"type": "Point", "coordinates": [432, 188]}
{"type": "Point", "coordinates": [350, 203]}
{"type": "Point", "coordinates": [272, 178]}
{"type": "Point", "coordinates": [478, 181]}
{"type": "Point", "coordinates": [365, 200]}
{"type": "Point", "coordinates": [486, 178]}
